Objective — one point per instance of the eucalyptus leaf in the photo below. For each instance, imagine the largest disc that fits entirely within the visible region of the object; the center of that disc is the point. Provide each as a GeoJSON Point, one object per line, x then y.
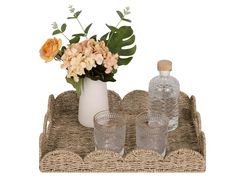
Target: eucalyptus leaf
{"type": "Point", "coordinates": [127, 20]}
{"type": "Point", "coordinates": [122, 38]}
{"type": "Point", "coordinates": [76, 14]}
{"type": "Point", "coordinates": [76, 39]}
{"type": "Point", "coordinates": [56, 32]}
{"type": "Point", "coordinates": [70, 17]}
{"type": "Point", "coordinates": [126, 11]}
{"type": "Point", "coordinates": [79, 34]}
{"type": "Point", "coordinates": [120, 14]}
{"type": "Point", "coordinates": [76, 85]}
{"type": "Point", "coordinates": [112, 28]}
{"type": "Point", "coordinates": [104, 37]}
{"type": "Point", "coordinates": [87, 28]}
{"type": "Point", "coordinates": [94, 37]}
{"type": "Point", "coordinates": [63, 28]}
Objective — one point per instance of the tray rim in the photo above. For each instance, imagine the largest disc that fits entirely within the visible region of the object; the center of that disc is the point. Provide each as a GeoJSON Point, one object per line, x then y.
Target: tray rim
{"type": "Point", "coordinates": [195, 116]}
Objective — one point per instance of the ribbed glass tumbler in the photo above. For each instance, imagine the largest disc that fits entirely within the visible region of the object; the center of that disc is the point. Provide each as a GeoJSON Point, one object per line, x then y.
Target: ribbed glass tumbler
{"type": "Point", "coordinates": [109, 131]}
{"type": "Point", "coordinates": [151, 135]}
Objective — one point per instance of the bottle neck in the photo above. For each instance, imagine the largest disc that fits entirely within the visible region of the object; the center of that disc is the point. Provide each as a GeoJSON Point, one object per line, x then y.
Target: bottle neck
{"type": "Point", "coordinates": [165, 73]}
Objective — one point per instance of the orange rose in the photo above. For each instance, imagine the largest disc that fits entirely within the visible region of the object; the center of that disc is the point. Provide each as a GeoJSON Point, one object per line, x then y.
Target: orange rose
{"type": "Point", "coordinates": [50, 49]}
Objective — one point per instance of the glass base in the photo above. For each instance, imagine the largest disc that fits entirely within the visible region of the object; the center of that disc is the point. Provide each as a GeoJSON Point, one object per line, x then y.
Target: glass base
{"type": "Point", "coordinates": [163, 153]}
{"type": "Point", "coordinates": [120, 153]}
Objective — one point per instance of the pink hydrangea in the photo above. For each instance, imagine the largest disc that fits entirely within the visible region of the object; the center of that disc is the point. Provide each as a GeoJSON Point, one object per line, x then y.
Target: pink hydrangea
{"type": "Point", "coordinates": [87, 55]}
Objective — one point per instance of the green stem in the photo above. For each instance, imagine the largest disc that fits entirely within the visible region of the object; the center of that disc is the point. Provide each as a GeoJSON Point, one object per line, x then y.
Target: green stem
{"type": "Point", "coordinates": [65, 36]}
{"type": "Point", "coordinates": [82, 27]}
{"type": "Point", "coordinates": [118, 23]}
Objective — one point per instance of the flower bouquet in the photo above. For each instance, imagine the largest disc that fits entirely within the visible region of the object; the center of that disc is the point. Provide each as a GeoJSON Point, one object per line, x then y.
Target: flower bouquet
{"type": "Point", "coordinates": [90, 62]}
{"type": "Point", "coordinates": [92, 57]}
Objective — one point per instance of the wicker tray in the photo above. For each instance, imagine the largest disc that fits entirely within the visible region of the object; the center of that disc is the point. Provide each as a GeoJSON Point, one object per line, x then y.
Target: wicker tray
{"type": "Point", "coordinates": [67, 146]}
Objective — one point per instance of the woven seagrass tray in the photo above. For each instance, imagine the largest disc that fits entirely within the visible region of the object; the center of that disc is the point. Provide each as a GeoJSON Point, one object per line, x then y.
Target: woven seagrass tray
{"type": "Point", "coordinates": [67, 146]}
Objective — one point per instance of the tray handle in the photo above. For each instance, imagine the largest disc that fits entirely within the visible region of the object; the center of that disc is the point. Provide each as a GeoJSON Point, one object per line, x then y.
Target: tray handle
{"type": "Point", "coordinates": [48, 116]}
{"type": "Point", "coordinates": [45, 124]}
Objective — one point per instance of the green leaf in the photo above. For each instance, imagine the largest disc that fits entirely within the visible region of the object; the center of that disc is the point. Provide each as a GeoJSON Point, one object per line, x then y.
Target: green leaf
{"type": "Point", "coordinates": [129, 41]}
{"type": "Point", "coordinates": [63, 28]}
{"type": "Point", "coordinates": [63, 49]}
{"type": "Point", "coordinates": [120, 42]}
{"type": "Point", "coordinates": [76, 39]}
{"type": "Point", "coordinates": [112, 28]}
{"type": "Point", "coordinates": [60, 53]}
{"type": "Point", "coordinates": [76, 85]}
{"type": "Point", "coordinates": [127, 20]}
{"type": "Point", "coordinates": [124, 61]}
{"type": "Point", "coordinates": [127, 52]}
{"type": "Point", "coordinates": [94, 37]}
{"type": "Point", "coordinates": [104, 37]}
{"type": "Point", "coordinates": [58, 57]}
{"type": "Point", "coordinates": [79, 34]}
{"type": "Point", "coordinates": [126, 11]}
{"type": "Point", "coordinates": [56, 32]}
{"type": "Point", "coordinates": [87, 28]}
{"type": "Point", "coordinates": [109, 77]}
{"type": "Point", "coordinates": [76, 14]}
{"type": "Point", "coordinates": [98, 73]}
{"type": "Point", "coordinates": [70, 17]}
{"type": "Point", "coordinates": [120, 14]}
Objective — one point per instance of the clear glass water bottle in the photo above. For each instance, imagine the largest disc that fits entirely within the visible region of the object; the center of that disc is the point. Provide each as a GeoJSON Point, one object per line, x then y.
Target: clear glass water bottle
{"type": "Point", "coordinates": [163, 96]}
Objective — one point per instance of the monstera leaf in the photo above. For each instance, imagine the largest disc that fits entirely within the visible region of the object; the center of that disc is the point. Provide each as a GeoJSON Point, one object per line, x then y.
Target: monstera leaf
{"type": "Point", "coordinates": [121, 41]}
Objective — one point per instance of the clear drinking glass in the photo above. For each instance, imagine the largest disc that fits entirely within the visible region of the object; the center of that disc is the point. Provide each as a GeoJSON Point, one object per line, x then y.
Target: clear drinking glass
{"type": "Point", "coordinates": [151, 135]}
{"type": "Point", "coordinates": [109, 131]}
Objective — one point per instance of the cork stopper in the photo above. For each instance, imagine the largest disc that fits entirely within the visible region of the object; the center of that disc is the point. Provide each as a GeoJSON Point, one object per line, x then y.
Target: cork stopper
{"type": "Point", "coordinates": [164, 65]}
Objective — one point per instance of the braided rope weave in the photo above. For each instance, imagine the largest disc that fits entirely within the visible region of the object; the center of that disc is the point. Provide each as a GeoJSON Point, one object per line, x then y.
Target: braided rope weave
{"type": "Point", "coordinates": [67, 146]}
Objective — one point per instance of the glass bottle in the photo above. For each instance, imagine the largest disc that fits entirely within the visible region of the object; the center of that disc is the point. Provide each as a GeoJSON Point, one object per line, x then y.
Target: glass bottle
{"type": "Point", "coordinates": [163, 96]}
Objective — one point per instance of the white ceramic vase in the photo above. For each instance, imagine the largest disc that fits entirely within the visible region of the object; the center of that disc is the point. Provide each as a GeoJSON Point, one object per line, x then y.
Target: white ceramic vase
{"type": "Point", "coordinates": [93, 99]}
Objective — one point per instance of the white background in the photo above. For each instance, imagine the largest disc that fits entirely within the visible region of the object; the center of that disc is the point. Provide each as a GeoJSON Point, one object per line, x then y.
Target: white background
{"type": "Point", "coordinates": [198, 36]}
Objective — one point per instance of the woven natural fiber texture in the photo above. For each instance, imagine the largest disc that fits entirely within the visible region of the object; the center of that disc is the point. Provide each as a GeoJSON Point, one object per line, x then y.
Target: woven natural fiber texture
{"type": "Point", "coordinates": [67, 146]}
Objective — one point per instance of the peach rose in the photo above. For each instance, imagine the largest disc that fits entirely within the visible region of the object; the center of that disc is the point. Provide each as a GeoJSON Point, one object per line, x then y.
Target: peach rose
{"type": "Point", "coordinates": [50, 49]}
